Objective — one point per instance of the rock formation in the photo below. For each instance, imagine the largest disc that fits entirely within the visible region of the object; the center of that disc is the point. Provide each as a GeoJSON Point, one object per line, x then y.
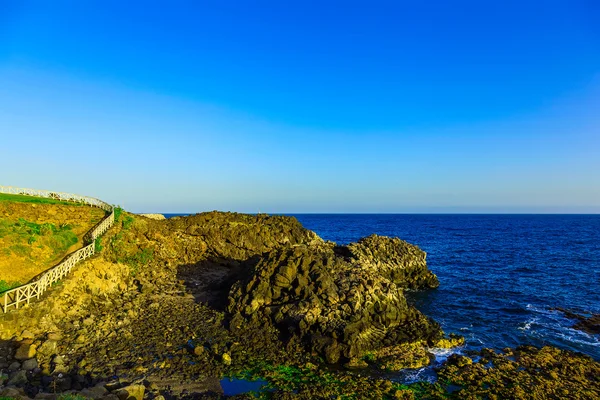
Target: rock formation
{"type": "Point", "coordinates": [343, 301]}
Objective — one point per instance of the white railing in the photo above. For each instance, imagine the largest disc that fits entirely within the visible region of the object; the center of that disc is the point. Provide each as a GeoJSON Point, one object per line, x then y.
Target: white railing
{"type": "Point", "coordinates": [23, 294]}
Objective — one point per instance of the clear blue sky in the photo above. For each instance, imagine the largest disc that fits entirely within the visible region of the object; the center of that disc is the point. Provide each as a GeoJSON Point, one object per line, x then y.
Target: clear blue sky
{"type": "Point", "coordinates": [305, 106]}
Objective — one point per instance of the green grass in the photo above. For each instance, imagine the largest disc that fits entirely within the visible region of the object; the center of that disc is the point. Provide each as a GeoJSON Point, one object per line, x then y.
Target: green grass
{"type": "Point", "coordinates": [4, 286]}
{"type": "Point", "coordinates": [58, 238]}
{"type": "Point", "coordinates": [98, 245]}
{"type": "Point", "coordinates": [32, 199]}
{"type": "Point", "coordinates": [124, 253]}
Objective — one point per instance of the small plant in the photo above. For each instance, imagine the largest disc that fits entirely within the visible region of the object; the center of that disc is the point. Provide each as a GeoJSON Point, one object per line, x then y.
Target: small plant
{"type": "Point", "coordinates": [369, 357]}
{"type": "Point", "coordinates": [127, 221]}
{"type": "Point", "coordinates": [98, 245]}
{"type": "Point", "coordinates": [118, 211]}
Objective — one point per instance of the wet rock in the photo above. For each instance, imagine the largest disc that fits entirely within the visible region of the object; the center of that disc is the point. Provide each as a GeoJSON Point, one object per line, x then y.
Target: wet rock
{"type": "Point", "coordinates": [459, 360]}
{"type": "Point", "coordinates": [588, 324]}
{"type": "Point", "coordinates": [449, 342]}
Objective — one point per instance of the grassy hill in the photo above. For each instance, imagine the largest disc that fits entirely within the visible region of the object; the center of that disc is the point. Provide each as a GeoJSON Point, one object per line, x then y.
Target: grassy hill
{"type": "Point", "coordinates": [37, 233]}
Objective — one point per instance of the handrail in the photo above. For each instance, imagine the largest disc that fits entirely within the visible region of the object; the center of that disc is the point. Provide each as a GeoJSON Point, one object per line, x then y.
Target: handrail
{"type": "Point", "coordinates": [23, 294]}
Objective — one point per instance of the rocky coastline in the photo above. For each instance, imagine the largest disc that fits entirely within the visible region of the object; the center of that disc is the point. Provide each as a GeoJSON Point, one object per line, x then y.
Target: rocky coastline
{"type": "Point", "coordinates": [169, 307]}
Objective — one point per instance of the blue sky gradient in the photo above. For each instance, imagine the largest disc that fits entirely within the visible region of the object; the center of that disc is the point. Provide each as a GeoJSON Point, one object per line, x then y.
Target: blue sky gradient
{"type": "Point", "coordinates": [273, 106]}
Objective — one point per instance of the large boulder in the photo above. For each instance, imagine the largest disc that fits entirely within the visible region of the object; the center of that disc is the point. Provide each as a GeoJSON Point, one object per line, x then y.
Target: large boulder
{"type": "Point", "coordinates": [343, 301]}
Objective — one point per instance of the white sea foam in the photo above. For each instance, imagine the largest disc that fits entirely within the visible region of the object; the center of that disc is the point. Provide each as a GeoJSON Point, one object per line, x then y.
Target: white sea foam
{"type": "Point", "coordinates": [418, 375]}
{"type": "Point", "coordinates": [441, 355]}
{"type": "Point", "coordinates": [527, 325]}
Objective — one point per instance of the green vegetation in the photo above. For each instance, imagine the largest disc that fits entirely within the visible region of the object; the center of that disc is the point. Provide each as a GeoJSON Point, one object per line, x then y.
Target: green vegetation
{"type": "Point", "coordinates": [118, 211]}
{"type": "Point", "coordinates": [59, 239]}
{"type": "Point", "coordinates": [123, 253]}
{"type": "Point", "coordinates": [4, 286]}
{"type": "Point", "coordinates": [127, 221]}
{"type": "Point", "coordinates": [315, 382]}
{"type": "Point", "coordinates": [98, 245]}
{"type": "Point", "coordinates": [36, 200]}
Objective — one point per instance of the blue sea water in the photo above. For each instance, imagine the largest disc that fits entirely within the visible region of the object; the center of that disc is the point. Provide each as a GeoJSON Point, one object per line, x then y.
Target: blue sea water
{"type": "Point", "coordinates": [500, 275]}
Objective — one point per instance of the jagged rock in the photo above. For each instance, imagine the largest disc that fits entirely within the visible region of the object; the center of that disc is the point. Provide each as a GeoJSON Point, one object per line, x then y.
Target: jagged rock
{"type": "Point", "coordinates": [27, 335]}
{"type": "Point", "coordinates": [46, 396]}
{"type": "Point", "coordinates": [14, 366]}
{"type": "Point", "coordinates": [459, 360]}
{"type": "Point", "coordinates": [48, 348]}
{"type": "Point", "coordinates": [11, 393]}
{"type": "Point", "coordinates": [399, 261]}
{"type": "Point", "coordinates": [132, 392]}
{"type": "Point", "coordinates": [30, 364]}
{"type": "Point", "coordinates": [54, 336]}
{"type": "Point", "coordinates": [588, 324]}
{"type": "Point", "coordinates": [153, 216]}
{"type": "Point", "coordinates": [226, 359]}
{"type": "Point", "coordinates": [25, 352]}
{"type": "Point", "coordinates": [96, 392]}
{"type": "Point", "coordinates": [18, 378]}
{"type": "Point", "coordinates": [336, 298]}
{"type": "Point", "coordinates": [449, 342]}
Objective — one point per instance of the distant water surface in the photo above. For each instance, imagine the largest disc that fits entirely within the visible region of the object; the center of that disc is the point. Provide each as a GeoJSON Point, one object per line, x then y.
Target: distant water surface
{"type": "Point", "coordinates": [500, 275]}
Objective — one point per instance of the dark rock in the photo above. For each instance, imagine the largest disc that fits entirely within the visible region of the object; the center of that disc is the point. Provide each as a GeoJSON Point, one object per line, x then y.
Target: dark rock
{"type": "Point", "coordinates": [96, 392]}
{"type": "Point", "coordinates": [30, 364]}
{"type": "Point", "coordinates": [342, 301]}
{"type": "Point", "coordinates": [588, 324]}
{"type": "Point", "coordinates": [14, 366]}
{"type": "Point", "coordinates": [18, 378]}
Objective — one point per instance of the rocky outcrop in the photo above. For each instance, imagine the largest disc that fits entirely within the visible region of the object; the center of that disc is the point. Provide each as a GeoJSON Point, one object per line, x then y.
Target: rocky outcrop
{"type": "Point", "coordinates": [153, 216]}
{"type": "Point", "coordinates": [589, 324]}
{"type": "Point", "coordinates": [396, 260]}
{"type": "Point", "coordinates": [147, 304]}
{"type": "Point", "coordinates": [241, 236]}
{"type": "Point", "coordinates": [342, 301]}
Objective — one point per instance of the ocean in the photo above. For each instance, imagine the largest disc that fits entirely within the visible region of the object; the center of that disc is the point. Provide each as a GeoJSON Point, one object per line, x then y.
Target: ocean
{"type": "Point", "coordinates": [500, 276]}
